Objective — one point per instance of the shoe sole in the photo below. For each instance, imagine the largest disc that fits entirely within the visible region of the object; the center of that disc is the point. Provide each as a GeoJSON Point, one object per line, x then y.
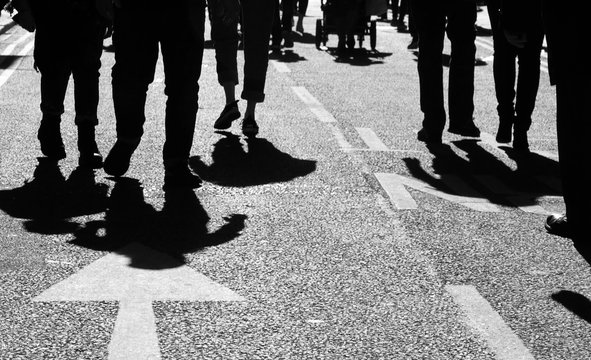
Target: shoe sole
{"type": "Point", "coordinates": [226, 123]}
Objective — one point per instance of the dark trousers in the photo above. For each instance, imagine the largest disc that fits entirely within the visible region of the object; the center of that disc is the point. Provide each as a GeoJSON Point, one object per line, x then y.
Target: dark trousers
{"type": "Point", "coordinates": [569, 71]}
{"type": "Point", "coordinates": [68, 42]}
{"type": "Point", "coordinates": [504, 71]}
{"type": "Point", "coordinates": [433, 20]}
{"type": "Point", "coordinates": [136, 37]}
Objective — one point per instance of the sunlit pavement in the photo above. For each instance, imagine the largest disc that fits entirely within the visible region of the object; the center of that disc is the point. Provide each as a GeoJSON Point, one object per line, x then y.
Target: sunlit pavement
{"type": "Point", "coordinates": [334, 234]}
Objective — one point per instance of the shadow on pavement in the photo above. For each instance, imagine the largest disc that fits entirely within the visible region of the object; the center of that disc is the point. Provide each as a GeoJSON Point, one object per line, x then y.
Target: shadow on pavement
{"type": "Point", "coordinates": [261, 163]}
{"type": "Point", "coordinates": [286, 56]}
{"type": "Point", "coordinates": [576, 303]}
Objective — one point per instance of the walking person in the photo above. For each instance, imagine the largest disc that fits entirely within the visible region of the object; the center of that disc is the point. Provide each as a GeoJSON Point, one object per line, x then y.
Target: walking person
{"type": "Point", "coordinates": [180, 36]}
{"type": "Point", "coordinates": [524, 29]}
{"type": "Point", "coordinates": [433, 20]}
{"type": "Point", "coordinates": [566, 31]}
{"type": "Point", "coordinates": [257, 21]}
{"type": "Point", "coordinates": [69, 41]}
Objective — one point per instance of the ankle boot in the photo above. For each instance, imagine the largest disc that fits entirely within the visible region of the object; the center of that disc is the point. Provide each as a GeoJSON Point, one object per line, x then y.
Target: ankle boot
{"type": "Point", "coordinates": [50, 138]}
{"type": "Point", "coordinates": [505, 128]}
{"type": "Point", "coordinates": [89, 153]}
{"type": "Point", "coordinates": [520, 142]}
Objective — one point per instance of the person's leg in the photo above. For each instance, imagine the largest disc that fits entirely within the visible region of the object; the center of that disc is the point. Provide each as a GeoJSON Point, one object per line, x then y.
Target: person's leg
{"type": "Point", "coordinates": [276, 29]}
{"type": "Point", "coordinates": [461, 21]}
{"type": "Point", "coordinates": [136, 53]}
{"type": "Point", "coordinates": [503, 74]}
{"type": "Point", "coordinates": [182, 45]}
{"type": "Point", "coordinates": [85, 69]}
{"type": "Point", "coordinates": [528, 82]}
{"type": "Point", "coordinates": [430, 21]}
{"type": "Point", "coordinates": [302, 8]}
{"type": "Point", "coordinates": [287, 7]}
{"type": "Point", "coordinates": [258, 18]}
{"type": "Point", "coordinates": [225, 39]}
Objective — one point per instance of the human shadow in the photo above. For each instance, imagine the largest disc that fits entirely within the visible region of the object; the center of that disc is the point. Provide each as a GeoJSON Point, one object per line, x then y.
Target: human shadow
{"type": "Point", "coordinates": [261, 163]}
{"type": "Point", "coordinates": [358, 56]}
{"type": "Point", "coordinates": [179, 228]}
{"type": "Point", "coordinates": [305, 38]}
{"type": "Point", "coordinates": [49, 202]}
{"type": "Point", "coordinates": [286, 56]}
{"type": "Point", "coordinates": [576, 303]}
{"type": "Point", "coordinates": [7, 60]}
{"type": "Point", "coordinates": [483, 172]}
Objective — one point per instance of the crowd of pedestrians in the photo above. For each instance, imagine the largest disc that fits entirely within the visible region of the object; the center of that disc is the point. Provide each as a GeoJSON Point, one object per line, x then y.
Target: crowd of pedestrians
{"type": "Point", "coordinates": [518, 29]}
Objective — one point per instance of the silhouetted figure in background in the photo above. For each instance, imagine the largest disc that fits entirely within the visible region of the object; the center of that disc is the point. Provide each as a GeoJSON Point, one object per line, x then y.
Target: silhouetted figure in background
{"type": "Point", "coordinates": [257, 21]}
{"type": "Point", "coordinates": [180, 35]}
{"type": "Point", "coordinates": [526, 31]}
{"type": "Point", "coordinates": [567, 32]}
{"type": "Point", "coordinates": [69, 40]}
{"type": "Point", "coordinates": [433, 20]}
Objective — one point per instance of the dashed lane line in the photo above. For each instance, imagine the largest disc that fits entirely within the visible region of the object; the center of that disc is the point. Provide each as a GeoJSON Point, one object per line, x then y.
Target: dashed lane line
{"type": "Point", "coordinates": [6, 73]}
{"type": "Point", "coordinates": [370, 139]}
{"type": "Point", "coordinates": [483, 319]}
{"type": "Point", "coordinates": [280, 67]}
{"type": "Point", "coordinates": [314, 105]}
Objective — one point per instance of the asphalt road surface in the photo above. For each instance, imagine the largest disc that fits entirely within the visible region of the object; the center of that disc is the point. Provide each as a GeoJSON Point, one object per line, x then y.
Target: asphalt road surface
{"type": "Point", "coordinates": [334, 234]}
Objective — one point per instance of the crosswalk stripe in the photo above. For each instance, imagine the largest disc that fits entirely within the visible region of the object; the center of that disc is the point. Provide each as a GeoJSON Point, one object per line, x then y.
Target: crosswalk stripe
{"type": "Point", "coordinates": [370, 138]}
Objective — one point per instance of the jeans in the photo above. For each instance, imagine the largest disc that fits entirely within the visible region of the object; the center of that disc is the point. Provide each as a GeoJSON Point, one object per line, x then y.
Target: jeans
{"type": "Point", "coordinates": [136, 37]}
{"type": "Point", "coordinates": [433, 20]}
{"type": "Point", "coordinates": [504, 71]}
{"type": "Point", "coordinates": [257, 20]}
{"type": "Point", "coordinates": [68, 42]}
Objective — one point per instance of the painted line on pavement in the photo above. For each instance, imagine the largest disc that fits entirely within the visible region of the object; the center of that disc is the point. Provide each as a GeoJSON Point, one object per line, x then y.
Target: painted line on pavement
{"type": "Point", "coordinates": [370, 139]}
{"type": "Point", "coordinates": [6, 73]}
{"type": "Point", "coordinates": [280, 67]}
{"type": "Point", "coordinates": [482, 318]}
{"type": "Point", "coordinates": [10, 48]}
{"type": "Point", "coordinates": [314, 105]}
{"type": "Point", "coordinates": [525, 202]}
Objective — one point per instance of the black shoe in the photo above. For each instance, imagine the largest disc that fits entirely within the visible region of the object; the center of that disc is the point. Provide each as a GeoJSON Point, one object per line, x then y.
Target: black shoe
{"type": "Point", "coordinates": [287, 40]}
{"type": "Point", "coordinates": [504, 131]}
{"type": "Point", "coordinates": [557, 224]}
{"type": "Point", "coordinates": [249, 127]}
{"type": "Point", "coordinates": [520, 142]}
{"type": "Point", "coordinates": [90, 156]}
{"type": "Point", "coordinates": [229, 114]}
{"type": "Point", "coordinates": [180, 177]}
{"type": "Point", "coordinates": [468, 129]}
{"type": "Point", "coordinates": [50, 139]}
{"type": "Point", "coordinates": [118, 159]}
{"type": "Point", "coordinates": [428, 138]}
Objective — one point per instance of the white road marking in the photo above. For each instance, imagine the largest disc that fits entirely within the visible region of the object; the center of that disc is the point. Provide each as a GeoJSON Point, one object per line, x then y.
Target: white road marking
{"type": "Point", "coordinates": [525, 202]}
{"type": "Point", "coordinates": [314, 105]}
{"type": "Point", "coordinates": [6, 73]}
{"type": "Point", "coordinates": [483, 319]}
{"type": "Point", "coordinates": [111, 278]}
{"type": "Point", "coordinates": [370, 139]}
{"type": "Point", "coordinates": [322, 114]}
{"type": "Point", "coordinates": [340, 137]}
{"type": "Point", "coordinates": [394, 185]}
{"type": "Point", "coordinates": [10, 48]}
{"type": "Point", "coordinates": [280, 67]}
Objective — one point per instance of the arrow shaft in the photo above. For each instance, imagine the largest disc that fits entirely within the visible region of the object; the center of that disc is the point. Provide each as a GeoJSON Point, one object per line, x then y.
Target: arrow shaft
{"type": "Point", "coordinates": [134, 336]}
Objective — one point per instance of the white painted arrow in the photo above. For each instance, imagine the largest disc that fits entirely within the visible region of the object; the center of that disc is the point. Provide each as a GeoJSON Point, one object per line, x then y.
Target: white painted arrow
{"type": "Point", "coordinates": [112, 279]}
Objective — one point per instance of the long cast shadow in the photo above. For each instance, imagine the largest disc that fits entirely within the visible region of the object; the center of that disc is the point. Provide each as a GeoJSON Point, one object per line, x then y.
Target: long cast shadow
{"type": "Point", "coordinates": [576, 303]}
{"type": "Point", "coordinates": [262, 163]}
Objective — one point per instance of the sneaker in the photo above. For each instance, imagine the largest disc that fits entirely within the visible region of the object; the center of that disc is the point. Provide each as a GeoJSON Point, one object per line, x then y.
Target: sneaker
{"type": "Point", "coordinates": [249, 127]}
{"type": "Point", "coordinates": [90, 156]}
{"type": "Point", "coordinates": [180, 177]}
{"type": "Point", "coordinates": [229, 114]}
{"type": "Point", "coordinates": [118, 159]}
{"type": "Point", "coordinates": [50, 139]}
{"type": "Point", "coordinates": [428, 138]}
{"type": "Point", "coordinates": [414, 44]}
{"type": "Point", "coordinates": [557, 224]}
{"type": "Point", "coordinates": [468, 129]}
{"type": "Point", "coordinates": [520, 142]}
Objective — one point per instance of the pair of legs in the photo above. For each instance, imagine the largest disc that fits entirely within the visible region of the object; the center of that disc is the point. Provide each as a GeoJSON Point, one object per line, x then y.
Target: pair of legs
{"type": "Point", "coordinates": [77, 53]}
{"type": "Point", "coordinates": [457, 18]}
{"type": "Point", "coordinates": [180, 37]}
{"type": "Point", "coordinates": [515, 115]}
{"type": "Point", "coordinates": [257, 21]}
{"type": "Point", "coordinates": [347, 15]}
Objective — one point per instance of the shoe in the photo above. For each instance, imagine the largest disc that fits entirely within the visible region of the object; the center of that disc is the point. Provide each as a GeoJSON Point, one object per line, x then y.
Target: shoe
{"type": "Point", "coordinates": [401, 26]}
{"type": "Point", "coordinates": [287, 40]}
{"type": "Point", "coordinates": [229, 114]}
{"type": "Point", "coordinates": [414, 44]}
{"type": "Point", "coordinates": [249, 127]}
{"type": "Point", "coordinates": [504, 131]}
{"type": "Point", "coordinates": [180, 177]}
{"type": "Point", "coordinates": [118, 159]}
{"type": "Point", "coordinates": [557, 224]}
{"type": "Point", "coordinates": [520, 142]}
{"type": "Point", "coordinates": [468, 129]}
{"type": "Point", "coordinates": [90, 156]}
{"type": "Point", "coordinates": [428, 138]}
{"type": "Point", "coordinates": [50, 138]}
